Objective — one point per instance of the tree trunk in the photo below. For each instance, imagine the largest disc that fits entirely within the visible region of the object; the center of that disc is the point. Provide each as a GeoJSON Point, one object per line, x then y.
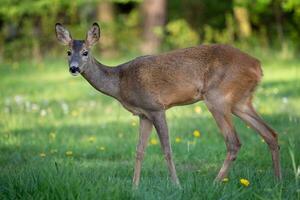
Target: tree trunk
{"type": "Point", "coordinates": [278, 19]}
{"type": "Point", "coordinates": [36, 32]}
{"type": "Point", "coordinates": [105, 12]}
{"type": "Point", "coordinates": [242, 16]}
{"type": "Point", "coordinates": [154, 14]}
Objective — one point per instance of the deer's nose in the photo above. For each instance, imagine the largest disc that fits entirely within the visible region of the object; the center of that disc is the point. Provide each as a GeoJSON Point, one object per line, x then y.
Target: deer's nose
{"type": "Point", "coordinates": [74, 69]}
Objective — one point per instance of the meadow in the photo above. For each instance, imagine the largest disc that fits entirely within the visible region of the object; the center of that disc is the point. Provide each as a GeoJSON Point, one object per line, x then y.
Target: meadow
{"type": "Point", "coordinates": [61, 139]}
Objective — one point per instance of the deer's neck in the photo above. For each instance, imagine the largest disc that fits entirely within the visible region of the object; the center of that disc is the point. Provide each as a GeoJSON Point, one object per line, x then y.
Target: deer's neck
{"type": "Point", "coordinates": [102, 78]}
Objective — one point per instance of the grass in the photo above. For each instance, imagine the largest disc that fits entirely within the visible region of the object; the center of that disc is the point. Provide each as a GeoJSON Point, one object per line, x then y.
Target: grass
{"type": "Point", "coordinates": [60, 139]}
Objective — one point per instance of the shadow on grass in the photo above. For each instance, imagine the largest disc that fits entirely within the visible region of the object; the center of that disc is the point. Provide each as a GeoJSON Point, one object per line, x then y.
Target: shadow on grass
{"type": "Point", "coordinates": [117, 140]}
{"type": "Point", "coordinates": [288, 89]}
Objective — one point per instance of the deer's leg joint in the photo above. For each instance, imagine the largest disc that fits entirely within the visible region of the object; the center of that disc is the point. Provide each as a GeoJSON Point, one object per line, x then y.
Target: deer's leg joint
{"type": "Point", "coordinates": [168, 155]}
{"type": "Point", "coordinates": [139, 155]}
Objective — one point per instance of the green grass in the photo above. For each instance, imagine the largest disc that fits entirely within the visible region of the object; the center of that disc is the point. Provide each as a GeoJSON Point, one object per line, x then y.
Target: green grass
{"type": "Point", "coordinates": [44, 110]}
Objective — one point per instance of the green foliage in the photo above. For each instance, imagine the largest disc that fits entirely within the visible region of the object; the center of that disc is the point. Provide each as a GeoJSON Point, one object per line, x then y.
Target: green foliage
{"type": "Point", "coordinates": [290, 5]}
{"type": "Point", "coordinates": [258, 6]}
{"type": "Point", "coordinates": [225, 36]}
{"type": "Point", "coordinates": [126, 1]}
{"type": "Point", "coordinates": [29, 24]}
{"type": "Point", "coordinates": [180, 34]}
{"type": "Point", "coordinates": [32, 22]}
{"type": "Point", "coordinates": [127, 32]}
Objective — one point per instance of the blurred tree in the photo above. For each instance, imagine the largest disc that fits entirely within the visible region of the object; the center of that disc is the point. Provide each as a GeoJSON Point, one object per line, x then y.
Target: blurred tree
{"type": "Point", "coordinates": [36, 47]}
{"type": "Point", "coordinates": [154, 17]}
{"type": "Point", "coordinates": [242, 17]}
{"type": "Point", "coordinates": [291, 10]}
{"type": "Point", "coordinates": [105, 12]}
{"type": "Point", "coordinates": [277, 7]}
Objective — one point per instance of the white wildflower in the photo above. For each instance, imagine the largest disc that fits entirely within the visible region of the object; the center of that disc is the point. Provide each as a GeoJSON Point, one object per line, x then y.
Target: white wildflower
{"type": "Point", "coordinates": [43, 113]}
{"type": "Point", "coordinates": [34, 107]}
{"type": "Point", "coordinates": [285, 100]}
{"type": "Point", "coordinates": [19, 99]}
{"type": "Point", "coordinates": [65, 107]}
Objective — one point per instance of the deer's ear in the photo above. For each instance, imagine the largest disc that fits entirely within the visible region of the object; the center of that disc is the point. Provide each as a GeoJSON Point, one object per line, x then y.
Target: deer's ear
{"type": "Point", "coordinates": [62, 34]}
{"type": "Point", "coordinates": [93, 35]}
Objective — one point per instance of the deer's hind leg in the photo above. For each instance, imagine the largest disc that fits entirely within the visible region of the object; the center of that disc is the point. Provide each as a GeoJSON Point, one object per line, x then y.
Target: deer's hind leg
{"type": "Point", "coordinates": [221, 111]}
{"type": "Point", "coordinates": [247, 113]}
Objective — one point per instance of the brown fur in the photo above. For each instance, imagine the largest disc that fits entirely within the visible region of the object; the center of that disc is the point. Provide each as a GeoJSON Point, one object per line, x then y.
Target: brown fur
{"type": "Point", "coordinates": [186, 76]}
{"type": "Point", "coordinates": [223, 76]}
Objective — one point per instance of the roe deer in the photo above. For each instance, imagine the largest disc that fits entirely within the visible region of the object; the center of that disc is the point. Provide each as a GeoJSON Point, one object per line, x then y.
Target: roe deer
{"type": "Point", "coordinates": [220, 75]}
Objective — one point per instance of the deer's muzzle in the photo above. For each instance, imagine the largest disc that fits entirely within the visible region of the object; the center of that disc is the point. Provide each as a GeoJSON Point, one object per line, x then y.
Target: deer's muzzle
{"type": "Point", "coordinates": [74, 70]}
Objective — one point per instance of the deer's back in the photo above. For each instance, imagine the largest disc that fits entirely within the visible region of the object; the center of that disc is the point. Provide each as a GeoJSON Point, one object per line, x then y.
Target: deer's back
{"type": "Point", "coordinates": [184, 76]}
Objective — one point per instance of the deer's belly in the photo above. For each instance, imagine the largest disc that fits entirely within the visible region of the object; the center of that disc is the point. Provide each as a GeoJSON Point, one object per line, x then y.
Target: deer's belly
{"type": "Point", "coordinates": [154, 97]}
{"type": "Point", "coordinates": [181, 96]}
{"type": "Point", "coordinates": [161, 101]}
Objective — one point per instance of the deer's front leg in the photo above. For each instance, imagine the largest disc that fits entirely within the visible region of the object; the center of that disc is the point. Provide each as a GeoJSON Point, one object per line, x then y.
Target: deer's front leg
{"type": "Point", "coordinates": [160, 124]}
{"type": "Point", "coordinates": [145, 130]}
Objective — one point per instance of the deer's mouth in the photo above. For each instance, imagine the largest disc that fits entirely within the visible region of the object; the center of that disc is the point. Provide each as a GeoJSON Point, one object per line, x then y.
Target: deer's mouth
{"type": "Point", "coordinates": [75, 74]}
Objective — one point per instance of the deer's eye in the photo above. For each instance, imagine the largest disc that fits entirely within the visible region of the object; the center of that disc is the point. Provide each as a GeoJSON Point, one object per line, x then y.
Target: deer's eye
{"type": "Point", "coordinates": [69, 53]}
{"type": "Point", "coordinates": [85, 53]}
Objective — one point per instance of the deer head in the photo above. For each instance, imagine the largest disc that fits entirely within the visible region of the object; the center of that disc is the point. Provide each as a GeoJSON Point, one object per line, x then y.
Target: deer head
{"type": "Point", "coordinates": [78, 53]}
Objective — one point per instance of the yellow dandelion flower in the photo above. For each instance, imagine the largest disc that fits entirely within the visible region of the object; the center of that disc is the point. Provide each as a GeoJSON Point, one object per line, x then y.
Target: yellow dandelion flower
{"type": "Point", "coordinates": [42, 155]}
{"type": "Point", "coordinates": [177, 139]}
{"type": "Point", "coordinates": [92, 139]}
{"type": "Point", "coordinates": [69, 153]}
{"type": "Point", "coordinates": [74, 113]}
{"type": "Point", "coordinates": [225, 180]}
{"type": "Point", "coordinates": [133, 123]}
{"type": "Point", "coordinates": [52, 135]}
{"type": "Point", "coordinates": [153, 141]}
{"type": "Point", "coordinates": [197, 109]}
{"type": "Point", "coordinates": [196, 133]}
{"type": "Point", "coordinates": [244, 182]}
